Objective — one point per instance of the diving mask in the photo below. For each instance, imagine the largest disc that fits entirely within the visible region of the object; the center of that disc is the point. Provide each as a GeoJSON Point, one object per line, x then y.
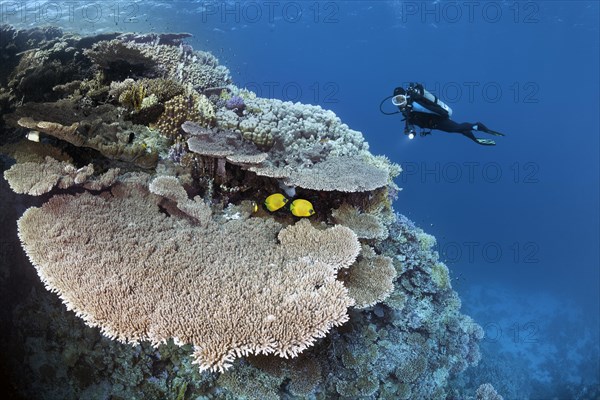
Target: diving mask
{"type": "Point", "coordinates": [399, 100]}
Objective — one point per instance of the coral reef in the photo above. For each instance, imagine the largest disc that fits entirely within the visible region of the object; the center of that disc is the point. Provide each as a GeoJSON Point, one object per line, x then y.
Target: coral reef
{"type": "Point", "coordinates": [330, 175]}
{"type": "Point", "coordinates": [235, 103]}
{"type": "Point", "coordinates": [271, 316]}
{"type": "Point", "coordinates": [129, 143]}
{"type": "Point", "coordinates": [181, 108]}
{"type": "Point", "coordinates": [302, 134]}
{"type": "Point", "coordinates": [115, 54]}
{"type": "Point", "coordinates": [149, 169]}
{"type": "Point", "coordinates": [365, 225]}
{"type": "Point", "coordinates": [222, 144]}
{"type": "Point", "coordinates": [371, 279]}
{"type": "Point", "coordinates": [151, 56]}
{"type": "Point", "coordinates": [133, 96]}
{"type": "Point", "coordinates": [35, 178]}
{"type": "Point", "coordinates": [487, 392]}
{"type": "Point", "coordinates": [30, 151]}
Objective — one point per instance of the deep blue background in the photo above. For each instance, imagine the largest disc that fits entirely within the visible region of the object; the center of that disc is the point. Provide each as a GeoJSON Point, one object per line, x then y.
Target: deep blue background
{"type": "Point", "coordinates": [534, 197]}
{"type": "Point", "coordinates": [531, 72]}
{"type": "Point", "coordinates": [542, 212]}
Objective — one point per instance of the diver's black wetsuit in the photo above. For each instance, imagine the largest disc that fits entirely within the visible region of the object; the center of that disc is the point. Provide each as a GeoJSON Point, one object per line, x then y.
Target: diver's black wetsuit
{"type": "Point", "coordinates": [433, 121]}
{"type": "Point", "coordinates": [438, 118]}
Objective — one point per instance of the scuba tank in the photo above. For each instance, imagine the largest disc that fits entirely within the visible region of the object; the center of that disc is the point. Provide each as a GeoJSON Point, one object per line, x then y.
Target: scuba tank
{"type": "Point", "coordinates": [428, 100]}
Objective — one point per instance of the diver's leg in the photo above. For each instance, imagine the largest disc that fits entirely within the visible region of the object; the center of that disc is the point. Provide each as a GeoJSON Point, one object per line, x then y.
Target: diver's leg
{"type": "Point", "coordinates": [447, 125]}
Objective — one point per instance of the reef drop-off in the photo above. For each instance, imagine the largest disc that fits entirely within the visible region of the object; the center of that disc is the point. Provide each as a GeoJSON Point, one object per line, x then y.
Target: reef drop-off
{"type": "Point", "coordinates": [149, 226]}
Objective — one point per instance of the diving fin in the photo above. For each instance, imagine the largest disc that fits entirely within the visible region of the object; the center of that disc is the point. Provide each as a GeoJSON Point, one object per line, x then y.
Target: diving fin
{"type": "Point", "coordinates": [479, 127]}
{"type": "Point", "coordinates": [486, 142]}
{"type": "Point", "coordinates": [491, 132]}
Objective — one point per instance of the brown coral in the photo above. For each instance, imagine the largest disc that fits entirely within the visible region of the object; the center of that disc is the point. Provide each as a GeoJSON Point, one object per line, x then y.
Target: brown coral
{"type": "Point", "coordinates": [191, 107]}
{"type": "Point", "coordinates": [229, 289]}
{"type": "Point", "coordinates": [111, 53]}
{"type": "Point", "coordinates": [170, 188]}
{"type": "Point", "coordinates": [371, 279]}
{"type": "Point", "coordinates": [218, 143]}
{"type": "Point", "coordinates": [64, 132]}
{"type": "Point", "coordinates": [344, 174]}
{"type": "Point", "coordinates": [366, 226]}
{"type": "Point", "coordinates": [135, 151]}
{"type": "Point", "coordinates": [30, 151]}
{"type": "Point", "coordinates": [38, 178]}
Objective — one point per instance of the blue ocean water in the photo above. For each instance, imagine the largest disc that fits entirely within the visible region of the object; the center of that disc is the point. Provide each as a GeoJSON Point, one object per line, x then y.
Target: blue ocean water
{"type": "Point", "coordinates": [518, 223]}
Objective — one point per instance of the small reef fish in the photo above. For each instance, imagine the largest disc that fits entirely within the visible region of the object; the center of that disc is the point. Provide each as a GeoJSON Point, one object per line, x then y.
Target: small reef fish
{"type": "Point", "coordinates": [275, 201]}
{"type": "Point", "coordinates": [302, 208]}
{"type": "Point", "coordinates": [34, 136]}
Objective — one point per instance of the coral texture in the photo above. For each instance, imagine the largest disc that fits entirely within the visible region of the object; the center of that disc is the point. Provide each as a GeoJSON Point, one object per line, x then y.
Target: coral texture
{"type": "Point", "coordinates": [222, 144]}
{"type": "Point", "coordinates": [487, 392]}
{"type": "Point", "coordinates": [331, 174]}
{"type": "Point", "coordinates": [38, 178]}
{"type": "Point", "coordinates": [181, 259]}
{"type": "Point", "coordinates": [365, 225]}
{"type": "Point", "coordinates": [120, 149]}
{"type": "Point", "coordinates": [191, 107]}
{"type": "Point", "coordinates": [228, 289]}
{"type": "Point", "coordinates": [371, 280]}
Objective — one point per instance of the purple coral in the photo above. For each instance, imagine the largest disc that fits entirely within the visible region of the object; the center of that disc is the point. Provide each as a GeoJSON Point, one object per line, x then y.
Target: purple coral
{"type": "Point", "coordinates": [235, 103]}
{"type": "Point", "coordinates": [177, 151]}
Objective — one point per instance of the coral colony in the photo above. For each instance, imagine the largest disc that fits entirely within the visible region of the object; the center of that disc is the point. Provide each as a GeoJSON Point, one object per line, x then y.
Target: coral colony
{"type": "Point", "coordinates": [155, 169]}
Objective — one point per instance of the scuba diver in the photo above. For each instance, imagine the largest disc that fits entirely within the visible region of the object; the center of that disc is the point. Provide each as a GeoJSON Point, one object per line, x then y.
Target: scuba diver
{"type": "Point", "coordinates": [423, 109]}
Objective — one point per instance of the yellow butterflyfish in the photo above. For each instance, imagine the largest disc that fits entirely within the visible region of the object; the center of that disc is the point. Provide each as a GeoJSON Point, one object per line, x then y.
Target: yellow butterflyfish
{"type": "Point", "coordinates": [302, 208]}
{"type": "Point", "coordinates": [275, 201]}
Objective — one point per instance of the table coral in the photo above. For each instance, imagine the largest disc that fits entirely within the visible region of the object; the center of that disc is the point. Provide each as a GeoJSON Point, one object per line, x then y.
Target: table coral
{"type": "Point", "coordinates": [282, 297]}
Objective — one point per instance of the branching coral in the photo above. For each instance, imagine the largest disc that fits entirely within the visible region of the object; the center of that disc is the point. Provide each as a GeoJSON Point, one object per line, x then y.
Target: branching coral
{"type": "Point", "coordinates": [440, 275]}
{"type": "Point", "coordinates": [159, 56]}
{"type": "Point", "coordinates": [250, 383]}
{"type": "Point", "coordinates": [133, 96]}
{"type": "Point", "coordinates": [191, 107]}
{"type": "Point", "coordinates": [303, 372]}
{"type": "Point", "coordinates": [299, 128]}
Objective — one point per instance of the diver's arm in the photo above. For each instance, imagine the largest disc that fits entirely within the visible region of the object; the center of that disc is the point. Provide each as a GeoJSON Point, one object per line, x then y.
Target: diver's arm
{"type": "Point", "coordinates": [408, 126]}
